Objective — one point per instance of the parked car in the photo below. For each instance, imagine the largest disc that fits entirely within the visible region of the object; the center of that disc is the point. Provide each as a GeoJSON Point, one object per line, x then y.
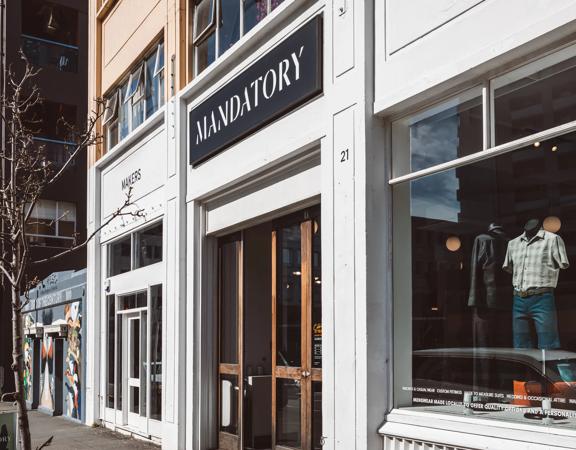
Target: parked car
{"type": "Point", "coordinates": [519, 377]}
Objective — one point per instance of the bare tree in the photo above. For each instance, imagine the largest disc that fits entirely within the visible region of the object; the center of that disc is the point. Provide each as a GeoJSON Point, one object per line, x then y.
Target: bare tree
{"type": "Point", "coordinates": [27, 171]}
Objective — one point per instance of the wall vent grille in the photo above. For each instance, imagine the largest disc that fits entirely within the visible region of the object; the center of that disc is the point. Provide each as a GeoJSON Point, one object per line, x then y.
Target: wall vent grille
{"type": "Point", "coordinates": [398, 443]}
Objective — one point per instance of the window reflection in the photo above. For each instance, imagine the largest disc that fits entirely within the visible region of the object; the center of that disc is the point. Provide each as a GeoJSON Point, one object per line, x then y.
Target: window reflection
{"type": "Point", "coordinates": [492, 286]}
{"type": "Point", "coordinates": [442, 133]}
{"type": "Point", "coordinates": [543, 99]}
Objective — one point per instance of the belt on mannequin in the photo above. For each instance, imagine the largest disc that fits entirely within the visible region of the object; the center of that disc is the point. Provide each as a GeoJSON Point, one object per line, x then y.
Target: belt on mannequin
{"type": "Point", "coordinates": [535, 291]}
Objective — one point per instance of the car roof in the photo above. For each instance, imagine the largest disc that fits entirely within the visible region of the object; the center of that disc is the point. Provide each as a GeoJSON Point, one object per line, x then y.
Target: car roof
{"type": "Point", "coordinates": [519, 354]}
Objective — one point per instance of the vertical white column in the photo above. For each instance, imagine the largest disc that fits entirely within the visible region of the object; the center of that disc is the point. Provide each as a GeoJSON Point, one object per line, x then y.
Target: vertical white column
{"type": "Point", "coordinates": [91, 320]}
{"type": "Point", "coordinates": [174, 382]}
{"type": "Point", "coordinates": [344, 282]}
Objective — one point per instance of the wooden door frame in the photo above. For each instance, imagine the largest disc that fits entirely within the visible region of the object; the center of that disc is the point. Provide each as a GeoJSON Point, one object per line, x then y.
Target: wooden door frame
{"type": "Point", "coordinates": [304, 373]}
{"type": "Point", "coordinates": [228, 368]}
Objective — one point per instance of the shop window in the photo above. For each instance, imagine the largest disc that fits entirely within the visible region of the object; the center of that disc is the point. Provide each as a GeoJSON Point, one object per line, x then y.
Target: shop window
{"type": "Point", "coordinates": [156, 352]}
{"type": "Point", "coordinates": [111, 342]}
{"type": "Point", "coordinates": [484, 251]}
{"type": "Point", "coordinates": [119, 257]}
{"type": "Point", "coordinates": [148, 245]}
{"type": "Point", "coordinates": [534, 99]}
{"type": "Point", "coordinates": [52, 224]}
{"type": "Point", "coordinates": [442, 133]}
{"type": "Point", "coordinates": [135, 99]}
{"type": "Point", "coordinates": [218, 24]}
{"type": "Point", "coordinates": [131, 301]}
{"type": "Point", "coordinates": [140, 249]}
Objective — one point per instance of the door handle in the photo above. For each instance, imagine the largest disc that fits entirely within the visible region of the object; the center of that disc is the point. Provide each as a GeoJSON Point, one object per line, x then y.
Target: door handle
{"type": "Point", "coordinates": [305, 374]}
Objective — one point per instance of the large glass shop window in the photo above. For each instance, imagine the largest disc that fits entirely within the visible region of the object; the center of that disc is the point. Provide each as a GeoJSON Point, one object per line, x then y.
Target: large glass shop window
{"type": "Point", "coordinates": [493, 308]}
{"type": "Point", "coordinates": [485, 264]}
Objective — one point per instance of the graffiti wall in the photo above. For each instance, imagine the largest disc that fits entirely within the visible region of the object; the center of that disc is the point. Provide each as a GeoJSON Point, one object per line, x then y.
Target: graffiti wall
{"type": "Point", "coordinates": [53, 345]}
{"type": "Point", "coordinates": [28, 351]}
{"type": "Point", "coordinates": [72, 360]}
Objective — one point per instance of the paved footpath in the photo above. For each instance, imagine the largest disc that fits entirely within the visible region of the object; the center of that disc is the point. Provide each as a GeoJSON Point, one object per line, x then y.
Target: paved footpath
{"type": "Point", "coordinates": [71, 436]}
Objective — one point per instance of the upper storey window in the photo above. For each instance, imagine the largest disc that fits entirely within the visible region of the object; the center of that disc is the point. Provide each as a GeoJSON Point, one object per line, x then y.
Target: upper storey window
{"type": "Point", "coordinates": [50, 35]}
{"type": "Point", "coordinates": [136, 98]}
{"type": "Point", "coordinates": [218, 24]}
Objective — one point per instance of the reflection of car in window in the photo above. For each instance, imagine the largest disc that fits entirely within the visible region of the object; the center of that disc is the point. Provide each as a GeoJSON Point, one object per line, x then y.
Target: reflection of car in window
{"type": "Point", "coordinates": [505, 375]}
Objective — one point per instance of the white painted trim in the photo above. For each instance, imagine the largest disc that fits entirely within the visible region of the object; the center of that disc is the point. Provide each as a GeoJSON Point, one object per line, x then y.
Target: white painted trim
{"type": "Point", "coordinates": [484, 433]}
{"type": "Point", "coordinates": [133, 138]}
{"type": "Point", "coordinates": [290, 192]}
{"type": "Point", "coordinates": [214, 76]}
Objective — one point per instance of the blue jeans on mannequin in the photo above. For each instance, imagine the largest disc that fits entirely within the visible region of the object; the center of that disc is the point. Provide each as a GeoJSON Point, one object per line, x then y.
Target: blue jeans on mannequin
{"type": "Point", "coordinates": [541, 310]}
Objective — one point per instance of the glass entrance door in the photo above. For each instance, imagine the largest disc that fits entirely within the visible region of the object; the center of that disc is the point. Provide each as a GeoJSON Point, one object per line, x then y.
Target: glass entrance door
{"type": "Point", "coordinates": [296, 336]}
{"type": "Point", "coordinates": [134, 385]}
{"type": "Point", "coordinates": [270, 336]}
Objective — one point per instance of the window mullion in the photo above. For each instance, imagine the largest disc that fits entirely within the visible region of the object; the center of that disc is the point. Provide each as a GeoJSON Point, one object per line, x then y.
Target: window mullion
{"type": "Point", "coordinates": [217, 29]}
{"type": "Point", "coordinates": [486, 115]}
{"type": "Point", "coordinates": [241, 17]}
{"type": "Point", "coordinates": [491, 115]}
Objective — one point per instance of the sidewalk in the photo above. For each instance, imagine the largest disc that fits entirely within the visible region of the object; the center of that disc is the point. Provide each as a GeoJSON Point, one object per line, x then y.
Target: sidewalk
{"type": "Point", "coordinates": [71, 436]}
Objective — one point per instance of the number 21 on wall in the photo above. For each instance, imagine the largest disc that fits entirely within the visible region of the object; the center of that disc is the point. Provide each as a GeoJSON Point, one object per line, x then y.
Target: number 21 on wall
{"type": "Point", "coordinates": [344, 156]}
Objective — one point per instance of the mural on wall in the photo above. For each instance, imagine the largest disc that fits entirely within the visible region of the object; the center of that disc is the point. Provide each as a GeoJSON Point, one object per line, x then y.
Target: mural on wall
{"type": "Point", "coordinates": [28, 369]}
{"type": "Point", "coordinates": [72, 369]}
{"type": "Point", "coordinates": [28, 357]}
{"type": "Point", "coordinates": [47, 373]}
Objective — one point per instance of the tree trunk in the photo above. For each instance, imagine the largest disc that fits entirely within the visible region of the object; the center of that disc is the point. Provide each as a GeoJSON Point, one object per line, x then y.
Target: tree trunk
{"type": "Point", "coordinates": [18, 368]}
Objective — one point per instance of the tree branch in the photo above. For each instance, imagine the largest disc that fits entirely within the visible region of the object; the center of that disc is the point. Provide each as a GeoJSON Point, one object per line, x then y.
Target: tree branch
{"type": "Point", "coordinates": [118, 213]}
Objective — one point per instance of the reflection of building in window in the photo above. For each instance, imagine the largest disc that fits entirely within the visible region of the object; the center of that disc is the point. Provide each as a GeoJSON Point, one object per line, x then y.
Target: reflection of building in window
{"type": "Point", "coordinates": [140, 249]}
{"type": "Point", "coordinates": [136, 97]}
{"type": "Point", "coordinates": [474, 328]}
{"type": "Point", "coordinates": [211, 37]}
{"type": "Point", "coordinates": [53, 125]}
{"type": "Point", "coordinates": [50, 35]}
{"type": "Point", "coordinates": [52, 224]}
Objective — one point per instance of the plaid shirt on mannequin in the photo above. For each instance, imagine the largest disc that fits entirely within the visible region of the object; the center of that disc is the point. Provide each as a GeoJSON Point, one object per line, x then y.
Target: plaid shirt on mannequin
{"type": "Point", "coordinates": [535, 263]}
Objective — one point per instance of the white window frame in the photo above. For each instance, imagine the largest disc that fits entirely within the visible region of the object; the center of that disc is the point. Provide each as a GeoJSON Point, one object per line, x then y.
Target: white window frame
{"type": "Point", "coordinates": [133, 241]}
{"type": "Point", "coordinates": [196, 40]}
{"type": "Point", "coordinates": [116, 100]}
{"type": "Point", "coordinates": [198, 36]}
{"type": "Point", "coordinates": [112, 106]}
{"type": "Point", "coordinates": [402, 270]}
{"type": "Point", "coordinates": [135, 88]}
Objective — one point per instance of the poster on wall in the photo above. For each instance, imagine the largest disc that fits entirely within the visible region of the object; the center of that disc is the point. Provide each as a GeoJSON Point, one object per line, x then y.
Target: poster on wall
{"type": "Point", "coordinates": [284, 78]}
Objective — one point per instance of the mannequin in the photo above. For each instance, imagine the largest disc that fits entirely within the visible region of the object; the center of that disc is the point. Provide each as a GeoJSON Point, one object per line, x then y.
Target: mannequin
{"type": "Point", "coordinates": [490, 292]}
{"type": "Point", "coordinates": [489, 297]}
{"type": "Point", "coordinates": [535, 259]}
{"type": "Point", "coordinates": [532, 227]}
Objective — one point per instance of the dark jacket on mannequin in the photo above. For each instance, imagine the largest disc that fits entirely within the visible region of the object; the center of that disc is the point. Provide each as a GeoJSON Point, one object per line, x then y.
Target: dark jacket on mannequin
{"type": "Point", "coordinates": [489, 284]}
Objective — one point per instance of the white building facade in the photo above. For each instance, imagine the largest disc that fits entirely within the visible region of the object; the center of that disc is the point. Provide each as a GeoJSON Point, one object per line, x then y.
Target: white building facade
{"type": "Point", "coordinates": [314, 253]}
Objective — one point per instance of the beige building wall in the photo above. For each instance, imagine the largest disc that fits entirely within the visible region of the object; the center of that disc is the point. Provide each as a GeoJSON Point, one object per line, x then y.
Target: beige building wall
{"type": "Point", "coordinates": [121, 32]}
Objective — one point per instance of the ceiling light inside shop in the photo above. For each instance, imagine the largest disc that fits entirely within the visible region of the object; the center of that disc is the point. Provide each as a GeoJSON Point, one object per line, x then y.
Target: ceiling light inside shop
{"type": "Point", "coordinates": [536, 144]}
{"type": "Point", "coordinates": [555, 148]}
{"type": "Point", "coordinates": [297, 273]}
{"type": "Point", "coordinates": [552, 224]}
{"type": "Point", "coordinates": [453, 243]}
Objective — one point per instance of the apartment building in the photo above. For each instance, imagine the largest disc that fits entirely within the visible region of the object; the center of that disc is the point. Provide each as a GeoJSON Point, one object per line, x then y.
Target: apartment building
{"type": "Point", "coordinates": [52, 35]}
{"type": "Point", "coordinates": [336, 203]}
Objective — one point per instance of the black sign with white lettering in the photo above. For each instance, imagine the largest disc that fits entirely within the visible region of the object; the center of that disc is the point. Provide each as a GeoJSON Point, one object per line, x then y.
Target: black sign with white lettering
{"type": "Point", "coordinates": [284, 78]}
